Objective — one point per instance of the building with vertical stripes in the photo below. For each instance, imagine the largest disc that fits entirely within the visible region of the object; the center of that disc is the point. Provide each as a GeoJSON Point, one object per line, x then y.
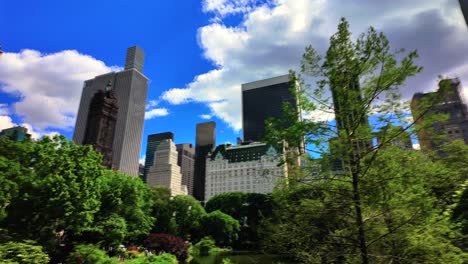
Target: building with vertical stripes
{"type": "Point", "coordinates": [151, 145]}
{"type": "Point", "coordinates": [186, 161]}
{"type": "Point", "coordinates": [131, 88]}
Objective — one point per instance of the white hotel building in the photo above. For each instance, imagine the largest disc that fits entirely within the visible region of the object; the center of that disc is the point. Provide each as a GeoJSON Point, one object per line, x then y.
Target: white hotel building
{"type": "Point", "coordinates": [251, 168]}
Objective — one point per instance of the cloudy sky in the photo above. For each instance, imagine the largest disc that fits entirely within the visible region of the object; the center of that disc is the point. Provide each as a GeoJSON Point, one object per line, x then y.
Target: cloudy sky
{"type": "Point", "coordinates": [198, 53]}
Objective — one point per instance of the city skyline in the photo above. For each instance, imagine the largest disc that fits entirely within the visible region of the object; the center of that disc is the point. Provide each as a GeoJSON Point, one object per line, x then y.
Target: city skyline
{"type": "Point", "coordinates": [198, 54]}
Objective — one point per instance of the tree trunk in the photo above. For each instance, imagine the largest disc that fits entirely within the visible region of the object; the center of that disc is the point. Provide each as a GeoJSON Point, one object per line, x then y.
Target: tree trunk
{"type": "Point", "coordinates": [359, 220]}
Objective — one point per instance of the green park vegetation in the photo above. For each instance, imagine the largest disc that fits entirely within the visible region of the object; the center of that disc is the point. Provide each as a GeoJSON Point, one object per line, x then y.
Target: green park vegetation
{"type": "Point", "coordinates": [380, 204]}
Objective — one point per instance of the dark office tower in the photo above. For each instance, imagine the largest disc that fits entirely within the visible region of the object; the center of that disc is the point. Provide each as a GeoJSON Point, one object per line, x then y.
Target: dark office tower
{"type": "Point", "coordinates": [261, 100]}
{"type": "Point", "coordinates": [449, 102]}
{"type": "Point", "coordinates": [100, 126]}
{"type": "Point", "coordinates": [152, 144]}
{"type": "Point", "coordinates": [186, 161]}
{"type": "Point", "coordinates": [130, 87]}
{"type": "Point", "coordinates": [205, 142]}
{"type": "Point", "coordinates": [464, 8]}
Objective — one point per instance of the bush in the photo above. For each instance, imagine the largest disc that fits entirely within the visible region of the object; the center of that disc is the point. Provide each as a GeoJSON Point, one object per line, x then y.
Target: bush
{"type": "Point", "coordinates": [222, 227]}
{"type": "Point", "coordinates": [23, 252]}
{"type": "Point", "coordinates": [203, 247]}
{"type": "Point", "coordinates": [165, 243]}
{"type": "Point", "coordinates": [89, 254]}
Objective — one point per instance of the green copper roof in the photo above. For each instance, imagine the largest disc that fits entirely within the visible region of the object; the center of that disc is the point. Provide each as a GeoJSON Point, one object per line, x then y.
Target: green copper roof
{"type": "Point", "coordinates": [242, 153]}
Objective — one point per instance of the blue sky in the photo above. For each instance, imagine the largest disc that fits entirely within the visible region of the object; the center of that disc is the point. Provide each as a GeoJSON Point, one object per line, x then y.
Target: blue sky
{"type": "Point", "coordinates": [198, 53]}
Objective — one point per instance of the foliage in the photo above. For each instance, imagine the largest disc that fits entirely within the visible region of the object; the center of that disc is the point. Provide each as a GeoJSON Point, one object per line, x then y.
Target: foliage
{"type": "Point", "coordinates": [24, 252]}
{"type": "Point", "coordinates": [222, 227]}
{"type": "Point", "coordinates": [161, 212]}
{"type": "Point", "coordinates": [248, 208]}
{"type": "Point", "coordinates": [89, 254]}
{"type": "Point", "coordinates": [187, 212]}
{"type": "Point", "coordinates": [125, 203]}
{"type": "Point", "coordinates": [166, 243]}
{"type": "Point", "coordinates": [203, 247]}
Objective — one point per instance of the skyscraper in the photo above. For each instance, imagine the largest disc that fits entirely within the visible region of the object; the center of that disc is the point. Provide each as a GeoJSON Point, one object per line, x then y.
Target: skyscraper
{"type": "Point", "coordinates": [205, 143]}
{"type": "Point", "coordinates": [261, 100]}
{"type": "Point", "coordinates": [153, 142]}
{"type": "Point", "coordinates": [17, 133]}
{"type": "Point", "coordinates": [130, 87]}
{"type": "Point", "coordinates": [165, 171]}
{"type": "Point", "coordinates": [186, 161]}
{"type": "Point", "coordinates": [464, 8]}
{"type": "Point", "coordinates": [448, 101]}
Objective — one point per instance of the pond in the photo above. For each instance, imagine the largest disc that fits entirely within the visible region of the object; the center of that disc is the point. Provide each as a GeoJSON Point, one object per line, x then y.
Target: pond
{"type": "Point", "coordinates": [240, 257]}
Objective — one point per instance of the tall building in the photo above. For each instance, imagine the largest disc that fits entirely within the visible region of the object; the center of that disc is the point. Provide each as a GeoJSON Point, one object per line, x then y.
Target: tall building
{"type": "Point", "coordinates": [251, 168]}
{"type": "Point", "coordinates": [204, 144]}
{"type": "Point", "coordinates": [100, 125]}
{"type": "Point", "coordinates": [130, 87]}
{"type": "Point", "coordinates": [261, 100]}
{"type": "Point", "coordinates": [464, 8]}
{"type": "Point", "coordinates": [186, 161]}
{"type": "Point", "coordinates": [151, 145]}
{"type": "Point", "coordinates": [446, 100]}
{"type": "Point", "coordinates": [17, 133]}
{"type": "Point", "coordinates": [165, 171]}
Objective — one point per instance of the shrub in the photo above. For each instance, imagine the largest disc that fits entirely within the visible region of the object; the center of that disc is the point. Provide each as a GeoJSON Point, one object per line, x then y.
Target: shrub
{"type": "Point", "coordinates": [203, 247]}
{"type": "Point", "coordinates": [22, 252]}
{"type": "Point", "coordinates": [89, 254]}
{"type": "Point", "coordinates": [165, 243]}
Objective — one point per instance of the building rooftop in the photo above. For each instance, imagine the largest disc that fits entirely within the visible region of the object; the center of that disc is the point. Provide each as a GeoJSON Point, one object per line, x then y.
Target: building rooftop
{"type": "Point", "coordinates": [242, 153]}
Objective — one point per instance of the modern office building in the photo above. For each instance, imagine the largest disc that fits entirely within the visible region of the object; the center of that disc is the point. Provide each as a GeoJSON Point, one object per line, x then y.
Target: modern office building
{"type": "Point", "coordinates": [464, 8]}
{"type": "Point", "coordinates": [394, 136]}
{"type": "Point", "coordinates": [204, 144]}
{"type": "Point", "coordinates": [17, 133]}
{"type": "Point", "coordinates": [165, 171]}
{"type": "Point", "coordinates": [251, 168]}
{"type": "Point", "coordinates": [261, 100]}
{"type": "Point", "coordinates": [151, 145]}
{"type": "Point", "coordinates": [186, 162]}
{"type": "Point", "coordinates": [130, 87]}
{"type": "Point", "coordinates": [446, 100]}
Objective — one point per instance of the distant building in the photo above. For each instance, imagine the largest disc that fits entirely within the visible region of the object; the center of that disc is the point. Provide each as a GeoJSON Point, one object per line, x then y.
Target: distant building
{"type": "Point", "coordinates": [251, 168]}
{"type": "Point", "coordinates": [131, 88]}
{"type": "Point", "coordinates": [204, 144]}
{"type": "Point", "coordinates": [151, 145]}
{"type": "Point", "coordinates": [17, 133]}
{"type": "Point", "coordinates": [446, 100]}
{"type": "Point", "coordinates": [261, 100]}
{"type": "Point", "coordinates": [399, 137]}
{"type": "Point", "coordinates": [165, 171]}
{"type": "Point", "coordinates": [186, 161]}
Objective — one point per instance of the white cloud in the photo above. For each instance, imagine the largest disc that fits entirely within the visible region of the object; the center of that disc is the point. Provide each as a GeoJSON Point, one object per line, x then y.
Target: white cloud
{"type": "Point", "coordinates": [416, 146]}
{"type": "Point", "coordinates": [152, 104]}
{"type": "Point", "coordinates": [156, 112]}
{"type": "Point", "coordinates": [7, 122]}
{"type": "Point", "coordinates": [4, 109]}
{"type": "Point", "coordinates": [271, 37]}
{"type": "Point", "coordinates": [205, 116]}
{"type": "Point", "coordinates": [142, 160]}
{"type": "Point", "coordinates": [48, 86]}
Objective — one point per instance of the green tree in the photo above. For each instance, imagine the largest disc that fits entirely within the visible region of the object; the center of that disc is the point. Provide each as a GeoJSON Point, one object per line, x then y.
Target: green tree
{"type": "Point", "coordinates": [187, 213]}
{"type": "Point", "coordinates": [371, 200]}
{"type": "Point", "coordinates": [57, 189]}
{"type": "Point", "coordinates": [222, 227]}
{"type": "Point", "coordinates": [26, 252]}
{"type": "Point", "coordinates": [162, 212]}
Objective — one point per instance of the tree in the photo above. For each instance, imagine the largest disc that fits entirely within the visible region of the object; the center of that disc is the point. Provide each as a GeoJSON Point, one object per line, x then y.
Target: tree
{"type": "Point", "coordinates": [187, 213]}
{"type": "Point", "coordinates": [356, 80]}
{"type": "Point", "coordinates": [57, 189]}
{"type": "Point", "coordinates": [166, 243]}
{"type": "Point", "coordinates": [26, 252]}
{"type": "Point", "coordinates": [162, 211]}
{"type": "Point", "coordinates": [222, 227]}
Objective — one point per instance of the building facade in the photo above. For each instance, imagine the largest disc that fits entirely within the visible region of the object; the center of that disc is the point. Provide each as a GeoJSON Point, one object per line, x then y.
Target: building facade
{"type": "Point", "coordinates": [204, 144]}
{"type": "Point", "coordinates": [261, 100]}
{"type": "Point", "coordinates": [17, 133]}
{"type": "Point", "coordinates": [186, 161]}
{"type": "Point", "coordinates": [151, 145]}
{"type": "Point", "coordinates": [165, 171]}
{"type": "Point", "coordinates": [131, 88]}
{"type": "Point", "coordinates": [446, 100]}
{"type": "Point", "coordinates": [251, 168]}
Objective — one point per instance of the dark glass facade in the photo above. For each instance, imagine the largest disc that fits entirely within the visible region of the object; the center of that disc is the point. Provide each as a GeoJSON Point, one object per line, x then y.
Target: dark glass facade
{"type": "Point", "coordinates": [260, 103]}
{"type": "Point", "coordinates": [205, 143]}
